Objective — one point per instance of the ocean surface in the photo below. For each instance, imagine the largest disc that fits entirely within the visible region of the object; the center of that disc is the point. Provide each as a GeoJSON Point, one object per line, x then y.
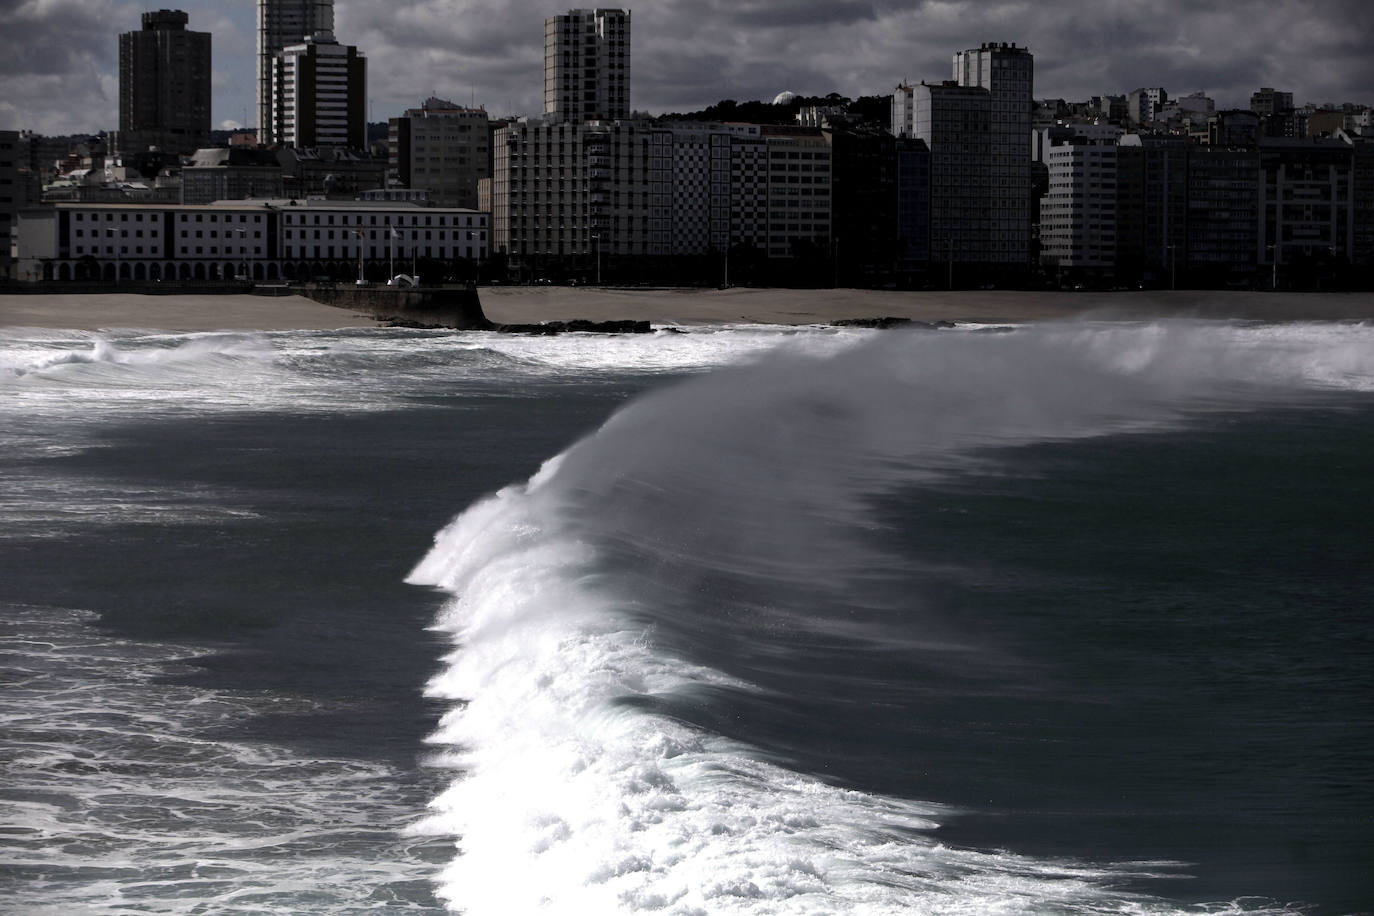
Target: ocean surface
{"type": "Point", "coordinates": [1072, 618]}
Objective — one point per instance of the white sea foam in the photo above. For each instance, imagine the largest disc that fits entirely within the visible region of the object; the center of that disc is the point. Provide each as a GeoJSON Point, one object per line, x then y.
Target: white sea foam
{"type": "Point", "coordinates": [568, 799]}
{"type": "Point", "coordinates": [117, 803]}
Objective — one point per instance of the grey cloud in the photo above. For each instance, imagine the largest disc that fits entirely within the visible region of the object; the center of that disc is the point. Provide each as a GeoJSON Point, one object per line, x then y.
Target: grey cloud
{"type": "Point", "coordinates": [690, 53]}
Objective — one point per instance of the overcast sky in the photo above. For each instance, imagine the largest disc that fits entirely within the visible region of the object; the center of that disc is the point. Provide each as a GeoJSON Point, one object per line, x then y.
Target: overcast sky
{"type": "Point", "coordinates": [59, 58]}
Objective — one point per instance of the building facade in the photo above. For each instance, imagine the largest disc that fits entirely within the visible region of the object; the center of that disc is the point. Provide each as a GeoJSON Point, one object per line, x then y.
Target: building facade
{"type": "Point", "coordinates": [913, 205]}
{"type": "Point", "coordinates": [443, 149]}
{"type": "Point", "coordinates": [267, 240]}
{"type": "Point", "coordinates": [319, 94]}
{"type": "Point", "coordinates": [282, 23]}
{"type": "Point", "coordinates": [1308, 204]}
{"type": "Point", "coordinates": [955, 124]}
{"type": "Point", "coordinates": [235, 173]}
{"type": "Point", "coordinates": [902, 120]}
{"type": "Point", "coordinates": [1007, 72]}
{"type": "Point", "coordinates": [11, 151]}
{"type": "Point", "coordinates": [1268, 101]}
{"type": "Point", "coordinates": [564, 191]}
{"type": "Point", "coordinates": [1078, 215]}
{"type": "Point", "coordinates": [587, 65]}
{"type": "Point", "coordinates": [164, 85]}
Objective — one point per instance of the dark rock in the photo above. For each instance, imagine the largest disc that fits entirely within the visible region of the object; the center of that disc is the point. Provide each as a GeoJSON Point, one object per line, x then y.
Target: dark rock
{"type": "Point", "coordinates": [890, 321]}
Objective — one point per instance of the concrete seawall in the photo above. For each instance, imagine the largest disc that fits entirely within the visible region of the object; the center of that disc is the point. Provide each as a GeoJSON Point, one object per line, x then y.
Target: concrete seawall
{"type": "Point", "coordinates": [448, 307]}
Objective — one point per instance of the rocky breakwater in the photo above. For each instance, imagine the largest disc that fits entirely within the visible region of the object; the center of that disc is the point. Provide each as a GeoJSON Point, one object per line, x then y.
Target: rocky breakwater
{"type": "Point", "coordinates": [435, 307]}
{"type": "Point", "coordinates": [446, 307]}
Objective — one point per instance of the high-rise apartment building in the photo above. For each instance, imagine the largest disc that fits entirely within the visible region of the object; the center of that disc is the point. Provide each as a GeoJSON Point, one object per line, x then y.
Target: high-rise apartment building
{"type": "Point", "coordinates": [1008, 73]}
{"type": "Point", "coordinates": [955, 123]}
{"type": "Point", "coordinates": [1078, 216]}
{"type": "Point", "coordinates": [282, 23]}
{"type": "Point", "coordinates": [587, 65]}
{"type": "Point", "coordinates": [164, 85]}
{"type": "Point", "coordinates": [319, 94]}
{"type": "Point", "coordinates": [442, 148]}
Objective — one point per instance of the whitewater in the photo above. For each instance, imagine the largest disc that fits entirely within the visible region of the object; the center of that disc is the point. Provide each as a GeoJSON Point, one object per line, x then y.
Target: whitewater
{"type": "Point", "coordinates": [728, 620]}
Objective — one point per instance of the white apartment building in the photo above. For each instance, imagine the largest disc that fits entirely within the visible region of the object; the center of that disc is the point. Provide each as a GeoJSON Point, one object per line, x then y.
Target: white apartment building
{"type": "Point", "coordinates": [587, 65]}
{"type": "Point", "coordinates": [903, 111]}
{"type": "Point", "coordinates": [1078, 214]}
{"type": "Point", "coordinates": [268, 240]}
{"type": "Point", "coordinates": [282, 23]}
{"type": "Point", "coordinates": [319, 92]}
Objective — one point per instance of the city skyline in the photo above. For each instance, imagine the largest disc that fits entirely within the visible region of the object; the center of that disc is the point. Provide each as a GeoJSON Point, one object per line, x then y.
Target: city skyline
{"type": "Point", "coordinates": [61, 74]}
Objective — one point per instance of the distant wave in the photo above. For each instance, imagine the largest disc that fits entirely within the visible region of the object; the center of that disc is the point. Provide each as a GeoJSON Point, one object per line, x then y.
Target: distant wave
{"type": "Point", "coordinates": [149, 351]}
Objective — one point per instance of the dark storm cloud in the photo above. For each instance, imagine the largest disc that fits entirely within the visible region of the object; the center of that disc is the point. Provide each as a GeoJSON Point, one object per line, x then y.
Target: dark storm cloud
{"type": "Point", "coordinates": [768, 14]}
{"type": "Point", "coordinates": [58, 58]}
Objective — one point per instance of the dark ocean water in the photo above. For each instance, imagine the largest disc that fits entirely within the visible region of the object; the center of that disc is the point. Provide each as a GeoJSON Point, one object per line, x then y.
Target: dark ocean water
{"type": "Point", "coordinates": [1073, 619]}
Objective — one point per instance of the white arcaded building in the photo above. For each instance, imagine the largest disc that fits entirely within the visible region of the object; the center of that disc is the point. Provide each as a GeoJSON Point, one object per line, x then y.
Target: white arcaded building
{"type": "Point", "coordinates": [268, 240]}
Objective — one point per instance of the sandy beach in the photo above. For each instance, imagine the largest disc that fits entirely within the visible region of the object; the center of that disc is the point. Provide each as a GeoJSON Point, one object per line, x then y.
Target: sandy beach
{"type": "Point", "coordinates": [510, 305]}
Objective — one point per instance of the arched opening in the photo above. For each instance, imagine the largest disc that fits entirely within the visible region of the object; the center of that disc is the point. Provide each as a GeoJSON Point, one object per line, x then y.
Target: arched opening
{"type": "Point", "coordinates": [229, 272]}
{"type": "Point", "coordinates": [108, 272]}
{"type": "Point", "coordinates": [200, 272]}
{"type": "Point", "coordinates": [140, 271]}
{"type": "Point", "coordinates": [257, 271]}
{"type": "Point", "coordinates": [64, 271]}
{"type": "Point", "coordinates": [185, 271]}
{"type": "Point", "coordinates": [272, 272]}
{"type": "Point", "coordinates": [154, 272]}
{"type": "Point", "coordinates": [125, 270]}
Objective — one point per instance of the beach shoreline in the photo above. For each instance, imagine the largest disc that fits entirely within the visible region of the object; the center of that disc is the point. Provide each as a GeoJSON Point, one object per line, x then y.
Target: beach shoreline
{"type": "Point", "coordinates": [667, 307]}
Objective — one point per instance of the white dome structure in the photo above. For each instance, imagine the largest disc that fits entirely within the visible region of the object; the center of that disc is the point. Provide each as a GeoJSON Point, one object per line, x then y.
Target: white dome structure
{"type": "Point", "coordinates": [782, 98]}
